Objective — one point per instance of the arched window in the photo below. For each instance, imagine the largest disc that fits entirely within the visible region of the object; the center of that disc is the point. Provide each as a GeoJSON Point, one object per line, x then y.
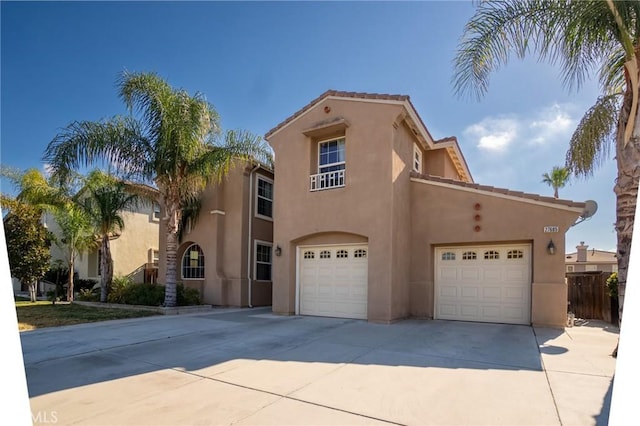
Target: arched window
{"type": "Point", "coordinates": [469, 255]}
{"type": "Point", "coordinates": [491, 255]}
{"type": "Point", "coordinates": [325, 254]}
{"type": "Point", "coordinates": [359, 253]}
{"type": "Point", "coordinates": [193, 263]}
{"type": "Point", "coordinates": [515, 254]}
{"type": "Point", "coordinates": [448, 255]}
{"type": "Point", "coordinates": [342, 254]}
{"type": "Point", "coordinates": [309, 255]}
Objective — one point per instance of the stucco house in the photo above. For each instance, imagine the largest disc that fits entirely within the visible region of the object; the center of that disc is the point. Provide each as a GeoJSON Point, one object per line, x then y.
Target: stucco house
{"type": "Point", "coordinates": [135, 250]}
{"type": "Point", "coordinates": [226, 254]}
{"type": "Point", "coordinates": [374, 219]}
{"type": "Point", "coordinates": [584, 260]}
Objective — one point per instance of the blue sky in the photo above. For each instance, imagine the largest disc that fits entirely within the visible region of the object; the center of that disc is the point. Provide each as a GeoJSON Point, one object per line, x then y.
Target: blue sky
{"type": "Point", "coordinates": [258, 63]}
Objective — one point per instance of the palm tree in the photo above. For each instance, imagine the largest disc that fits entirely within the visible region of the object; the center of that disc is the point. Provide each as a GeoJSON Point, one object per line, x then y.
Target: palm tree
{"type": "Point", "coordinates": [601, 36]}
{"type": "Point", "coordinates": [175, 144]}
{"type": "Point", "coordinates": [58, 199]}
{"type": "Point", "coordinates": [558, 178]}
{"type": "Point", "coordinates": [104, 199]}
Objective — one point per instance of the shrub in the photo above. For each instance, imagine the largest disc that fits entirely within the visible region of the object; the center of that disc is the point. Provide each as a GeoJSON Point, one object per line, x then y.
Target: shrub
{"type": "Point", "coordinates": [612, 284]}
{"type": "Point", "coordinates": [118, 290]}
{"type": "Point", "coordinates": [82, 284]}
{"type": "Point", "coordinates": [187, 296]}
{"type": "Point", "coordinates": [88, 295]}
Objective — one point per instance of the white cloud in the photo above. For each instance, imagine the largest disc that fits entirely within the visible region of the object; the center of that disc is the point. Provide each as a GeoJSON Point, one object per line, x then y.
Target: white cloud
{"type": "Point", "coordinates": [493, 134]}
{"type": "Point", "coordinates": [552, 123]}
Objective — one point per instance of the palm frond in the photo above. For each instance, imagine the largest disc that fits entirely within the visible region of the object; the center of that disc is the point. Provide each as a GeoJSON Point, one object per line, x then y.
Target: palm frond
{"type": "Point", "coordinates": [591, 143]}
{"type": "Point", "coordinates": [118, 141]}
{"type": "Point", "coordinates": [580, 36]}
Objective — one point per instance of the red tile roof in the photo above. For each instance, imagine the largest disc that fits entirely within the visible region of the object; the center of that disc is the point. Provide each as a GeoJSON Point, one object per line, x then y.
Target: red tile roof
{"type": "Point", "coordinates": [502, 191]}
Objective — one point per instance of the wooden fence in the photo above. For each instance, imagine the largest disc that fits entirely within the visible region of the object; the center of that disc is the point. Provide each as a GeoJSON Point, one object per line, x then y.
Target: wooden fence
{"type": "Point", "coordinates": [589, 298]}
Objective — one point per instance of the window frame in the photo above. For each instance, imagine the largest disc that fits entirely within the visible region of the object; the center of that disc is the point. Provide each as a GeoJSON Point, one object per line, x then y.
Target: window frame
{"type": "Point", "coordinates": [257, 243]}
{"type": "Point", "coordinates": [328, 165]}
{"type": "Point", "coordinates": [258, 196]}
{"type": "Point", "coordinates": [155, 218]}
{"type": "Point", "coordinates": [417, 152]}
{"type": "Point", "coordinates": [198, 267]}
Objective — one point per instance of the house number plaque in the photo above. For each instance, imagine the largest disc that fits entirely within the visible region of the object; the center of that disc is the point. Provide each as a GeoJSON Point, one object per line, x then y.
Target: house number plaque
{"type": "Point", "coordinates": [551, 229]}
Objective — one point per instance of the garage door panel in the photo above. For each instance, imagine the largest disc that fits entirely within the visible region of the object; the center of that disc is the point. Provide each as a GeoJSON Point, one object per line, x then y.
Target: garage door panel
{"type": "Point", "coordinates": [340, 275]}
{"type": "Point", "coordinates": [486, 283]}
{"type": "Point", "coordinates": [491, 293]}
{"type": "Point", "coordinates": [448, 273]}
{"type": "Point", "coordinates": [470, 274]}
{"type": "Point", "coordinates": [448, 291]}
{"type": "Point", "coordinates": [471, 292]}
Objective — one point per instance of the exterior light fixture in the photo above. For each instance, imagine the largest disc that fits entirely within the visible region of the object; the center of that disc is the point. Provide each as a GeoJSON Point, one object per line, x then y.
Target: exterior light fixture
{"type": "Point", "coordinates": [278, 251]}
{"type": "Point", "coordinates": [551, 248]}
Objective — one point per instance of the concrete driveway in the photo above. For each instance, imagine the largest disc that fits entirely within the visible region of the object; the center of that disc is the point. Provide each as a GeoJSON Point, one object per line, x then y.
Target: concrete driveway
{"type": "Point", "coordinates": [249, 367]}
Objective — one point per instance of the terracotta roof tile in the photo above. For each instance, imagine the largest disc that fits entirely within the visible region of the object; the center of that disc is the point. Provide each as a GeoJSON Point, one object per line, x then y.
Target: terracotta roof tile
{"type": "Point", "coordinates": [503, 191]}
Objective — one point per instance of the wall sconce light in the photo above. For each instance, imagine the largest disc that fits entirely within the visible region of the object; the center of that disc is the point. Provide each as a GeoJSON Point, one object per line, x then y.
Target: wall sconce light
{"type": "Point", "coordinates": [551, 248]}
{"type": "Point", "coordinates": [278, 251]}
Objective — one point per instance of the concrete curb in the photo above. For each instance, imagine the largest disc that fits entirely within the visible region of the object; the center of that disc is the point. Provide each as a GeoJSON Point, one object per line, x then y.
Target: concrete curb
{"type": "Point", "coordinates": [160, 309]}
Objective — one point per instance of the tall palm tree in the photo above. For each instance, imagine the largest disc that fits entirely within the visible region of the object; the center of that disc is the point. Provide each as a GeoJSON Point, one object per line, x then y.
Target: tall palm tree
{"type": "Point", "coordinates": [558, 178]}
{"type": "Point", "coordinates": [601, 36]}
{"type": "Point", "coordinates": [105, 199]}
{"type": "Point", "coordinates": [175, 143]}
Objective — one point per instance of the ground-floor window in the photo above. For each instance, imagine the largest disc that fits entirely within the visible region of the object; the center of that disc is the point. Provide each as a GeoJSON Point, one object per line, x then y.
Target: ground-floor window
{"type": "Point", "coordinates": [193, 263]}
{"type": "Point", "coordinates": [263, 261]}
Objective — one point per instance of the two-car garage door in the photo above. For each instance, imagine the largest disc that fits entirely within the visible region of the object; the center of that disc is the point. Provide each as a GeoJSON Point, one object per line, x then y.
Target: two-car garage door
{"type": "Point", "coordinates": [333, 280]}
{"type": "Point", "coordinates": [484, 283]}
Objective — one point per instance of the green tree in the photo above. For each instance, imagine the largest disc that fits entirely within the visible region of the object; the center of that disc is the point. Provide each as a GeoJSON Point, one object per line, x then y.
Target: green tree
{"type": "Point", "coordinates": [28, 244]}
{"type": "Point", "coordinates": [558, 178]}
{"type": "Point", "coordinates": [582, 37]}
{"type": "Point", "coordinates": [175, 143]}
{"type": "Point", "coordinates": [104, 199]}
{"type": "Point", "coordinates": [57, 198]}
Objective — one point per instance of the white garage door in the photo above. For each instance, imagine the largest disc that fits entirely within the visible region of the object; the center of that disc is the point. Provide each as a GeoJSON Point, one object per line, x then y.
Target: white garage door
{"type": "Point", "coordinates": [333, 281]}
{"type": "Point", "coordinates": [484, 283]}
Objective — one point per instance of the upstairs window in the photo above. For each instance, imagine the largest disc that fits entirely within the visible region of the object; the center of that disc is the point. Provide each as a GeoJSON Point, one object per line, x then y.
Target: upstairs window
{"type": "Point", "coordinates": [156, 211]}
{"type": "Point", "coordinates": [331, 165]}
{"type": "Point", "coordinates": [264, 198]}
{"type": "Point", "coordinates": [331, 156]}
{"type": "Point", "coordinates": [417, 159]}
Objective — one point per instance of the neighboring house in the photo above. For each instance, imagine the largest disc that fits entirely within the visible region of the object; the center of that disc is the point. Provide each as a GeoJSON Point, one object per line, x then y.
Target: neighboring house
{"type": "Point", "coordinates": [585, 260]}
{"type": "Point", "coordinates": [227, 252]}
{"type": "Point", "coordinates": [374, 219]}
{"type": "Point", "coordinates": [135, 251]}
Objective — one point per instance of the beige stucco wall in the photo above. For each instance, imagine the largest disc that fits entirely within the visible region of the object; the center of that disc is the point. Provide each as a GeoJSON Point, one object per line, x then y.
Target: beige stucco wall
{"type": "Point", "coordinates": [438, 163]}
{"type": "Point", "coordinates": [130, 251]}
{"type": "Point", "coordinates": [402, 221]}
{"type": "Point", "coordinates": [360, 211]}
{"type": "Point", "coordinates": [446, 216]}
{"type": "Point", "coordinates": [222, 232]}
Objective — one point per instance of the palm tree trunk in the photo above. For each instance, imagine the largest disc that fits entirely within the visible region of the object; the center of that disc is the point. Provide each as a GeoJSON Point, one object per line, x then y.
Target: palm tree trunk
{"type": "Point", "coordinates": [626, 189]}
{"type": "Point", "coordinates": [173, 215]}
{"type": "Point", "coordinates": [106, 265]}
{"type": "Point", "coordinates": [70, 281]}
{"type": "Point", "coordinates": [555, 193]}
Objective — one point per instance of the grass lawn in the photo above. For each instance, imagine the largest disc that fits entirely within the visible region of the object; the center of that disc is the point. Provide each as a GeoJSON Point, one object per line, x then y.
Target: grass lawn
{"type": "Point", "coordinates": [43, 314]}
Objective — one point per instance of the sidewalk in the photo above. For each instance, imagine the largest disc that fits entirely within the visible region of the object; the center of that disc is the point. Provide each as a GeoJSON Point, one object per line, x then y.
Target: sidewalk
{"type": "Point", "coordinates": [580, 369]}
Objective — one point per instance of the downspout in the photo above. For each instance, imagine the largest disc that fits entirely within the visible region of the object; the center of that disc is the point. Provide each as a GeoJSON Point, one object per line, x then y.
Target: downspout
{"type": "Point", "coordinates": [249, 239]}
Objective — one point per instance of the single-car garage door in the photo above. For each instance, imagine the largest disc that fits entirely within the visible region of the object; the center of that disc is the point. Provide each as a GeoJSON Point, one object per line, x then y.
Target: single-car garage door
{"type": "Point", "coordinates": [333, 281]}
{"type": "Point", "coordinates": [484, 283]}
